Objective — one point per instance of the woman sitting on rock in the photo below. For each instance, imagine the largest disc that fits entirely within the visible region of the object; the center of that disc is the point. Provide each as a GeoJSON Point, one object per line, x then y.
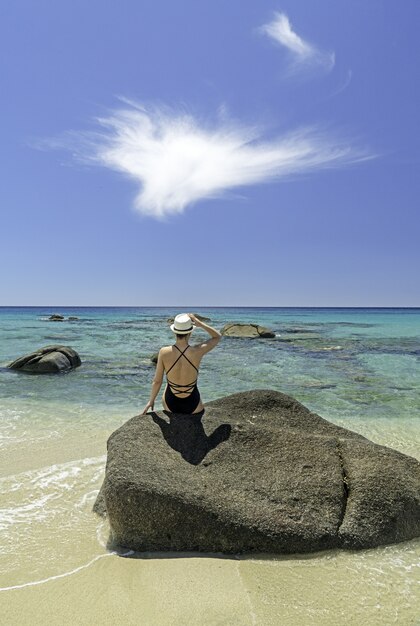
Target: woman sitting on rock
{"type": "Point", "coordinates": [182, 361]}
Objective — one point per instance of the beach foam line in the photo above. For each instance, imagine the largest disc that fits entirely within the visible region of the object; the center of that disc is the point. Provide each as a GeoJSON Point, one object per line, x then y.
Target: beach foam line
{"type": "Point", "coordinates": [47, 485]}
{"type": "Point", "coordinates": [45, 476]}
{"type": "Point", "coordinates": [33, 583]}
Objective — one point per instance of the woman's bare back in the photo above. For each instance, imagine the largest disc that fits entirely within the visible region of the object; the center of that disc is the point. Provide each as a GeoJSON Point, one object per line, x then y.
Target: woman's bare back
{"type": "Point", "coordinates": [180, 370]}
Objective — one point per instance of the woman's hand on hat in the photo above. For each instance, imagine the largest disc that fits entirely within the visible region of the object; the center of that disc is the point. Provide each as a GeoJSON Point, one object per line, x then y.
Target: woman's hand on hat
{"type": "Point", "coordinates": [194, 319]}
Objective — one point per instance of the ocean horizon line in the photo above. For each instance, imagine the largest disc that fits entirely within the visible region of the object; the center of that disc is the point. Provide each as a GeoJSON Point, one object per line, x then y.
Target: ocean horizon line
{"type": "Point", "coordinates": [198, 306]}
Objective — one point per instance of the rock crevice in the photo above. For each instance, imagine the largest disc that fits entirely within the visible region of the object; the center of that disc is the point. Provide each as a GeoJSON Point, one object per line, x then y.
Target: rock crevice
{"type": "Point", "coordinates": [346, 485]}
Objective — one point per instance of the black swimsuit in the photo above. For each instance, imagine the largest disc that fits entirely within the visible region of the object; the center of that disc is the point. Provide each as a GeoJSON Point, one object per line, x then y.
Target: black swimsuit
{"type": "Point", "coordinates": [189, 403]}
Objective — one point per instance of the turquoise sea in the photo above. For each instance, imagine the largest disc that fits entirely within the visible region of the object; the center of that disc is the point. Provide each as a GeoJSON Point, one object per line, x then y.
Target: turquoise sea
{"type": "Point", "coordinates": [359, 368]}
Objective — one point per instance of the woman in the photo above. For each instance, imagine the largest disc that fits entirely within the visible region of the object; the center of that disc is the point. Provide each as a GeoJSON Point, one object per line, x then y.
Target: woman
{"type": "Point", "coordinates": [182, 362]}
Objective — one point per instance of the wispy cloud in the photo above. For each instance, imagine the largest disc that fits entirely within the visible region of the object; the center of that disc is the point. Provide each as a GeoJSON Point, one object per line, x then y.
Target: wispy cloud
{"type": "Point", "coordinates": [344, 84]}
{"type": "Point", "coordinates": [302, 53]}
{"type": "Point", "coordinates": [177, 160]}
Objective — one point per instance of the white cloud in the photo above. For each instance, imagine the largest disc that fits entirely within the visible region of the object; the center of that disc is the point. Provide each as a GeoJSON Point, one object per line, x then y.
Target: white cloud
{"type": "Point", "coordinates": [176, 160]}
{"type": "Point", "coordinates": [302, 53]}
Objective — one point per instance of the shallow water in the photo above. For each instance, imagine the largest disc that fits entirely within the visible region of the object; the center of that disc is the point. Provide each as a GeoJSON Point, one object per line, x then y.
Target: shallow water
{"type": "Point", "coordinates": [359, 368]}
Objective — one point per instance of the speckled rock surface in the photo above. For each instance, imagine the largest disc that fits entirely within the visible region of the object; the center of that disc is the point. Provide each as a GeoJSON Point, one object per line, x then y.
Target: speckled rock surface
{"type": "Point", "coordinates": [257, 473]}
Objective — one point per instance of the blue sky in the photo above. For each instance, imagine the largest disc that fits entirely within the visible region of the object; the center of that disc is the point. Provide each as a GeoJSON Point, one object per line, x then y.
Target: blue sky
{"type": "Point", "coordinates": [210, 153]}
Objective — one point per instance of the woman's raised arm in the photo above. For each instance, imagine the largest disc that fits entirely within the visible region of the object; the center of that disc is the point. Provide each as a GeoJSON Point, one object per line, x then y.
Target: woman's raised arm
{"type": "Point", "coordinates": [215, 335]}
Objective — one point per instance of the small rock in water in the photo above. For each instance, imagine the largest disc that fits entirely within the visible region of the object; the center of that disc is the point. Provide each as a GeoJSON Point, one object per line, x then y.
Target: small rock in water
{"type": "Point", "coordinates": [56, 318]}
{"type": "Point", "coordinates": [303, 338]}
{"type": "Point", "coordinates": [47, 360]}
{"type": "Point", "coordinates": [239, 329]}
{"type": "Point", "coordinates": [319, 385]}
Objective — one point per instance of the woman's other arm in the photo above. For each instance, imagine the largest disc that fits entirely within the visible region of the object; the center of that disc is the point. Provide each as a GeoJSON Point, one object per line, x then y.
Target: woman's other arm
{"type": "Point", "coordinates": [156, 384]}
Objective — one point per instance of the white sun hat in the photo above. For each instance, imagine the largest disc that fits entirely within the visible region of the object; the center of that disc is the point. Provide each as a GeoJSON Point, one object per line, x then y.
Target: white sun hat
{"type": "Point", "coordinates": [182, 324]}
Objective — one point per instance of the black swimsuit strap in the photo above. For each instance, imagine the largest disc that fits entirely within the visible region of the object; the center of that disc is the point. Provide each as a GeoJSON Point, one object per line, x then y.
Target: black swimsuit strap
{"type": "Point", "coordinates": [176, 387]}
{"type": "Point", "coordinates": [185, 357]}
{"type": "Point", "coordinates": [176, 361]}
{"type": "Point", "coordinates": [183, 354]}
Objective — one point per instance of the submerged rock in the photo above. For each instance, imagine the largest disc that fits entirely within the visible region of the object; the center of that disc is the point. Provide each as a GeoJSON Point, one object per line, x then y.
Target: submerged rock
{"type": "Point", "coordinates": [246, 330]}
{"type": "Point", "coordinates": [298, 330]}
{"type": "Point", "coordinates": [154, 358]}
{"type": "Point", "coordinates": [318, 385]}
{"type": "Point", "coordinates": [258, 472]}
{"type": "Point", "coordinates": [47, 360]}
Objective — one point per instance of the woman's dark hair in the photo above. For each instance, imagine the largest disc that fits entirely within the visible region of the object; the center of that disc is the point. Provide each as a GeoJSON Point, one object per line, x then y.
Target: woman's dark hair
{"type": "Point", "coordinates": [182, 335]}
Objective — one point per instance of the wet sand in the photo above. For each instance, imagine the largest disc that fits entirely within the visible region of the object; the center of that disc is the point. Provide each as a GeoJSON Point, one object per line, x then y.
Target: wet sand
{"type": "Point", "coordinates": [199, 590]}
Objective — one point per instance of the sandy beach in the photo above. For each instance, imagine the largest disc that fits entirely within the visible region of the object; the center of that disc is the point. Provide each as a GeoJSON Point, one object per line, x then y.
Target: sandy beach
{"type": "Point", "coordinates": [165, 591]}
{"type": "Point", "coordinates": [376, 587]}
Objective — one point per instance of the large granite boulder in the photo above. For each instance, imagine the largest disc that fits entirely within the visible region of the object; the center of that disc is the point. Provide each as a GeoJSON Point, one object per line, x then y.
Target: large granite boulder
{"type": "Point", "coordinates": [234, 329]}
{"type": "Point", "coordinates": [258, 472]}
{"type": "Point", "coordinates": [47, 360]}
